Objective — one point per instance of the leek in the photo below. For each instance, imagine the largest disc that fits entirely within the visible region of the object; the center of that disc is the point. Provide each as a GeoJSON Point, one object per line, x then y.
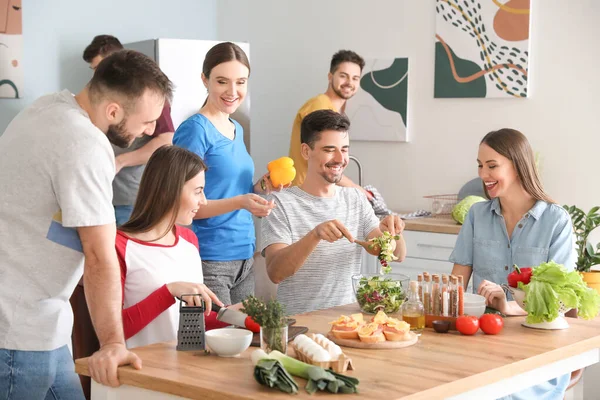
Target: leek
{"type": "Point", "coordinates": [317, 377]}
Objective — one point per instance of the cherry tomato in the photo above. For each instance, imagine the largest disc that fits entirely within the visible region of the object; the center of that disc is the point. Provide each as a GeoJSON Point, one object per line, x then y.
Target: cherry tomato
{"type": "Point", "coordinates": [491, 324]}
{"type": "Point", "coordinates": [467, 324]}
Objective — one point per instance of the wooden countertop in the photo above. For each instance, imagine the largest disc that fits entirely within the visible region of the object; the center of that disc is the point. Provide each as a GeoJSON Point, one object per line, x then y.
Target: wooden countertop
{"type": "Point", "coordinates": [435, 225]}
{"type": "Point", "coordinates": [438, 366]}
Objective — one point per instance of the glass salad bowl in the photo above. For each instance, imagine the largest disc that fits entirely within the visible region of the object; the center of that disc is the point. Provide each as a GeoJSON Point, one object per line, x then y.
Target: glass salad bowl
{"type": "Point", "coordinates": [377, 292]}
{"type": "Point", "coordinates": [559, 323]}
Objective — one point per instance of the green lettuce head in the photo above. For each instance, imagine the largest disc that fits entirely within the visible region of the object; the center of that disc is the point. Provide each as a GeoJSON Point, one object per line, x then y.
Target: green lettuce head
{"type": "Point", "coordinates": [460, 211]}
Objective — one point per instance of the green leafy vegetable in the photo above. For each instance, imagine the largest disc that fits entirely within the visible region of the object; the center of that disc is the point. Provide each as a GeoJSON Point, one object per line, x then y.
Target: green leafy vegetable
{"type": "Point", "coordinates": [386, 244]}
{"type": "Point", "coordinates": [317, 377]}
{"type": "Point", "coordinates": [271, 373]}
{"type": "Point", "coordinates": [551, 284]}
{"type": "Point", "coordinates": [380, 293]}
{"type": "Point", "coordinates": [460, 211]}
{"type": "Point", "coordinates": [270, 316]}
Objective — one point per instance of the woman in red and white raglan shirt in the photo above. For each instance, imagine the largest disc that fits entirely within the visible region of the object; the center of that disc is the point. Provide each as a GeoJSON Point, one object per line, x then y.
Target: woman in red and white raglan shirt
{"type": "Point", "coordinates": [160, 259]}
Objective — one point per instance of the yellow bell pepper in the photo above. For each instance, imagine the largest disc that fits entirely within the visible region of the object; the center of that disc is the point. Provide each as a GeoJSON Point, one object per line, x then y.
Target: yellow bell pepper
{"type": "Point", "coordinates": [281, 171]}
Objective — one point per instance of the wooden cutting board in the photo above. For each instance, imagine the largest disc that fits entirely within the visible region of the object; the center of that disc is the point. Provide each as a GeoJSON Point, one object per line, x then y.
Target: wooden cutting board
{"type": "Point", "coordinates": [356, 343]}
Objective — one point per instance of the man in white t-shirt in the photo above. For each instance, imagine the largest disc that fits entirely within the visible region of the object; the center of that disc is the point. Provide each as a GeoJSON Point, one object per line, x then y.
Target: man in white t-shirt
{"type": "Point", "coordinates": [308, 239]}
{"type": "Point", "coordinates": [56, 172]}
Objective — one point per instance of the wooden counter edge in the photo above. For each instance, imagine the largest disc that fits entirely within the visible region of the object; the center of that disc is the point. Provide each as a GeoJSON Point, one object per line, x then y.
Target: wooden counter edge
{"type": "Point", "coordinates": [130, 376]}
{"type": "Point", "coordinates": [432, 225]}
{"type": "Point", "coordinates": [482, 379]}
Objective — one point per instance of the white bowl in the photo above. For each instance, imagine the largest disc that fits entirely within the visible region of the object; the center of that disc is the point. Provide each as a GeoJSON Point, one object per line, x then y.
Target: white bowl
{"type": "Point", "coordinates": [474, 299]}
{"type": "Point", "coordinates": [228, 342]}
{"type": "Point", "coordinates": [476, 310]}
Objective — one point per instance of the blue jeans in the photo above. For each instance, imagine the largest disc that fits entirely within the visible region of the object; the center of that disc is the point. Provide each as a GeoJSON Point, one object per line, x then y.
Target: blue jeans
{"type": "Point", "coordinates": [122, 214]}
{"type": "Point", "coordinates": [39, 375]}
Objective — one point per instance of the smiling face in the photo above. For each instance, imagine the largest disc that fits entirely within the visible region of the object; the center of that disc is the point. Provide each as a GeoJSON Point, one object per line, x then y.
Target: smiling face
{"type": "Point", "coordinates": [345, 80]}
{"type": "Point", "coordinates": [192, 198]}
{"type": "Point", "coordinates": [227, 86]}
{"type": "Point", "coordinates": [497, 172]}
{"type": "Point", "coordinates": [329, 157]}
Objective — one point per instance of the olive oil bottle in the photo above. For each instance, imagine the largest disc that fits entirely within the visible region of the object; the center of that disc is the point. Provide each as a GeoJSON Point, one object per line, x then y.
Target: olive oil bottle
{"type": "Point", "coordinates": [413, 311]}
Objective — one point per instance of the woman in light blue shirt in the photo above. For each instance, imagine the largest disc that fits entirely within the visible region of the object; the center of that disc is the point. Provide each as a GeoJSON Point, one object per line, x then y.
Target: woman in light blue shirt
{"type": "Point", "coordinates": [520, 224]}
{"type": "Point", "coordinates": [224, 226]}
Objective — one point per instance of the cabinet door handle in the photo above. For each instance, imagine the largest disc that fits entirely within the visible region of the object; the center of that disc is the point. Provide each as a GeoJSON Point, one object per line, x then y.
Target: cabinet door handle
{"type": "Point", "coordinates": [434, 246]}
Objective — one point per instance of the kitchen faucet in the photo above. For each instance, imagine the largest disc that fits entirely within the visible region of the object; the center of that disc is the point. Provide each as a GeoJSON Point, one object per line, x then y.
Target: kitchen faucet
{"type": "Point", "coordinates": [359, 165]}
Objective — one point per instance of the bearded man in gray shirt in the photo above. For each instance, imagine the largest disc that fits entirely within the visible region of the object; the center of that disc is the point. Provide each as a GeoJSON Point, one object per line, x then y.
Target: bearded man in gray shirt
{"type": "Point", "coordinates": [308, 239]}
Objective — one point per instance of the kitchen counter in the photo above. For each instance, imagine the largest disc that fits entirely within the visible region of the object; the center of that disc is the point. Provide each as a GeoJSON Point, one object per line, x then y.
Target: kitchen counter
{"type": "Point", "coordinates": [434, 225]}
{"type": "Point", "coordinates": [438, 366]}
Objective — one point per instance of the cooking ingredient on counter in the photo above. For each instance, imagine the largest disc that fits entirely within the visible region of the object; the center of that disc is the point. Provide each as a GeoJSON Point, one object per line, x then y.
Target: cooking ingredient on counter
{"type": "Point", "coordinates": [380, 292]}
{"type": "Point", "coordinates": [413, 312]}
{"type": "Point", "coordinates": [460, 210]}
{"type": "Point", "coordinates": [317, 350]}
{"type": "Point", "coordinates": [467, 324]}
{"type": "Point", "coordinates": [395, 330]}
{"type": "Point", "coordinates": [519, 275]}
{"type": "Point", "coordinates": [270, 315]}
{"type": "Point", "coordinates": [347, 327]}
{"type": "Point", "coordinates": [281, 171]}
{"type": "Point", "coordinates": [427, 292]}
{"type": "Point", "coordinates": [386, 244]}
{"type": "Point", "coordinates": [371, 333]}
{"type": "Point", "coordinates": [461, 295]}
{"type": "Point", "coordinates": [317, 377]}
{"type": "Point", "coordinates": [272, 374]}
{"type": "Point", "coordinates": [551, 284]}
{"type": "Point", "coordinates": [441, 326]}
{"type": "Point", "coordinates": [491, 324]}
{"type": "Point", "coordinates": [436, 295]}
{"type": "Point", "coordinates": [453, 289]}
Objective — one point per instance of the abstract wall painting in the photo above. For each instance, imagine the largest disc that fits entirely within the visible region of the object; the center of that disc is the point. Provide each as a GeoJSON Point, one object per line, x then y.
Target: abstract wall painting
{"type": "Point", "coordinates": [378, 111]}
{"type": "Point", "coordinates": [11, 49]}
{"type": "Point", "coordinates": [482, 48]}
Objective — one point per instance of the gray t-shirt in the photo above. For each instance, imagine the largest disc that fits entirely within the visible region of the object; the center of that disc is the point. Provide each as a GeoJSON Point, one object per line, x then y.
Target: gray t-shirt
{"type": "Point", "coordinates": [325, 278]}
{"type": "Point", "coordinates": [56, 170]}
{"type": "Point", "coordinates": [127, 181]}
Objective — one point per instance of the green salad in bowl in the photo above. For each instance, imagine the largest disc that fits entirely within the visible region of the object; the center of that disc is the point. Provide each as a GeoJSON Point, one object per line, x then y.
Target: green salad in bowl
{"type": "Point", "coordinates": [380, 292]}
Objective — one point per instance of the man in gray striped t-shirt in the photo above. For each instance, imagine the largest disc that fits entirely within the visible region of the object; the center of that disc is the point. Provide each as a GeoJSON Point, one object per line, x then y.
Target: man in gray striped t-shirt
{"type": "Point", "coordinates": [308, 239]}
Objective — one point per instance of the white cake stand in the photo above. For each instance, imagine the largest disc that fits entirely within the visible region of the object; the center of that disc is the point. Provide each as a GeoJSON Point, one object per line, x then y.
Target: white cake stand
{"type": "Point", "coordinates": [559, 323]}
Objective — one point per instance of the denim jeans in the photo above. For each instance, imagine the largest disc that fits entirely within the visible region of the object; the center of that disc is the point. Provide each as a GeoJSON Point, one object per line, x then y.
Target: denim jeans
{"type": "Point", "coordinates": [39, 375]}
{"type": "Point", "coordinates": [122, 214]}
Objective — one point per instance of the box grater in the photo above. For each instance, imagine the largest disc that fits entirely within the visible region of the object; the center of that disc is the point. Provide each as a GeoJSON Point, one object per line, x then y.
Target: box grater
{"type": "Point", "coordinates": [190, 336]}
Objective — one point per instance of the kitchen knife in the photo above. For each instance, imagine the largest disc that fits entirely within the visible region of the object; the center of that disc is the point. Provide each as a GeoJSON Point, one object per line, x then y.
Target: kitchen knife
{"type": "Point", "coordinates": [235, 317]}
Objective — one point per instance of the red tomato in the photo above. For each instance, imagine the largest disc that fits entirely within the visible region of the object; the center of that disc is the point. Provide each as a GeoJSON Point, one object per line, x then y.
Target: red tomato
{"type": "Point", "coordinates": [467, 324]}
{"type": "Point", "coordinates": [491, 324]}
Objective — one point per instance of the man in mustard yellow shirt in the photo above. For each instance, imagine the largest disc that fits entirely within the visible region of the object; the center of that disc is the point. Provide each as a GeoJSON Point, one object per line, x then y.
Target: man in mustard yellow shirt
{"type": "Point", "coordinates": [344, 80]}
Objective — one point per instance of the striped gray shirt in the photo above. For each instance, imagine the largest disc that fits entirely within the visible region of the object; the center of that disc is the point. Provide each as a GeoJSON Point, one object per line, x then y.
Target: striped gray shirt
{"type": "Point", "coordinates": [325, 278]}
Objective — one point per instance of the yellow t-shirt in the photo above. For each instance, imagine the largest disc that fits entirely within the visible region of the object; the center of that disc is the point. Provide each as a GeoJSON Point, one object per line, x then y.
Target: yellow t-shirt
{"type": "Point", "coordinates": [320, 102]}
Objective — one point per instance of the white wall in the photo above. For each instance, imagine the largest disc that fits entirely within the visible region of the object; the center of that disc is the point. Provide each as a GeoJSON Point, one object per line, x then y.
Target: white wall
{"type": "Point", "coordinates": [55, 33]}
{"type": "Point", "coordinates": [292, 43]}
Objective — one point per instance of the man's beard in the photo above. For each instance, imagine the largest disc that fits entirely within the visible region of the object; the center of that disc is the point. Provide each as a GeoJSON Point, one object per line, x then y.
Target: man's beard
{"type": "Point", "coordinates": [342, 95]}
{"type": "Point", "coordinates": [117, 134]}
{"type": "Point", "coordinates": [336, 178]}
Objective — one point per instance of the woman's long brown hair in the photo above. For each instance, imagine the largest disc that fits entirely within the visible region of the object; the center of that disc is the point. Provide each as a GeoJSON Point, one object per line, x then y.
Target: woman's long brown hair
{"type": "Point", "coordinates": [513, 145]}
{"type": "Point", "coordinates": [159, 195]}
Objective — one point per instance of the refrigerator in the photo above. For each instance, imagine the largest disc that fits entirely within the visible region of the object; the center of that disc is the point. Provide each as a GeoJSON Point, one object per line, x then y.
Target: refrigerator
{"type": "Point", "coordinates": [181, 60]}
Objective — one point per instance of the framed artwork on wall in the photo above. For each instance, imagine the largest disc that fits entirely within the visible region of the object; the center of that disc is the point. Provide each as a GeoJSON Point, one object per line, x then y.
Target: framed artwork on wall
{"type": "Point", "coordinates": [482, 48]}
{"type": "Point", "coordinates": [379, 109]}
{"type": "Point", "coordinates": [11, 49]}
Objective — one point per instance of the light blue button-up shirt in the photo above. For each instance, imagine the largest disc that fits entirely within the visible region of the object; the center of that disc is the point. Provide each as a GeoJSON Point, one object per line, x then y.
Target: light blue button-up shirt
{"type": "Point", "coordinates": [544, 233]}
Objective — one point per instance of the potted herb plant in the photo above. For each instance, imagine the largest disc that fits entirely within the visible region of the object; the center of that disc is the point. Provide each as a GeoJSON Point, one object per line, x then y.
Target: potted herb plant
{"type": "Point", "coordinates": [272, 320]}
{"type": "Point", "coordinates": [587, 255]}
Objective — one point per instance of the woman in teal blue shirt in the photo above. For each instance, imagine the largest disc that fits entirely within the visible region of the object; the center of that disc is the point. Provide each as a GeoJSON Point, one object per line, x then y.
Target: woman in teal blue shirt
{"type": "Point", "coordinates": [520, 224]}
{"type": "Point", "coordinates": [224, 226]}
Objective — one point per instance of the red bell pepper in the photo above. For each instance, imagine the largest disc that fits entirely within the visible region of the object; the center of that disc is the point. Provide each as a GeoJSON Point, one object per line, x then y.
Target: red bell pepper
{"type": "Point", "coordinates": [519, 275]}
